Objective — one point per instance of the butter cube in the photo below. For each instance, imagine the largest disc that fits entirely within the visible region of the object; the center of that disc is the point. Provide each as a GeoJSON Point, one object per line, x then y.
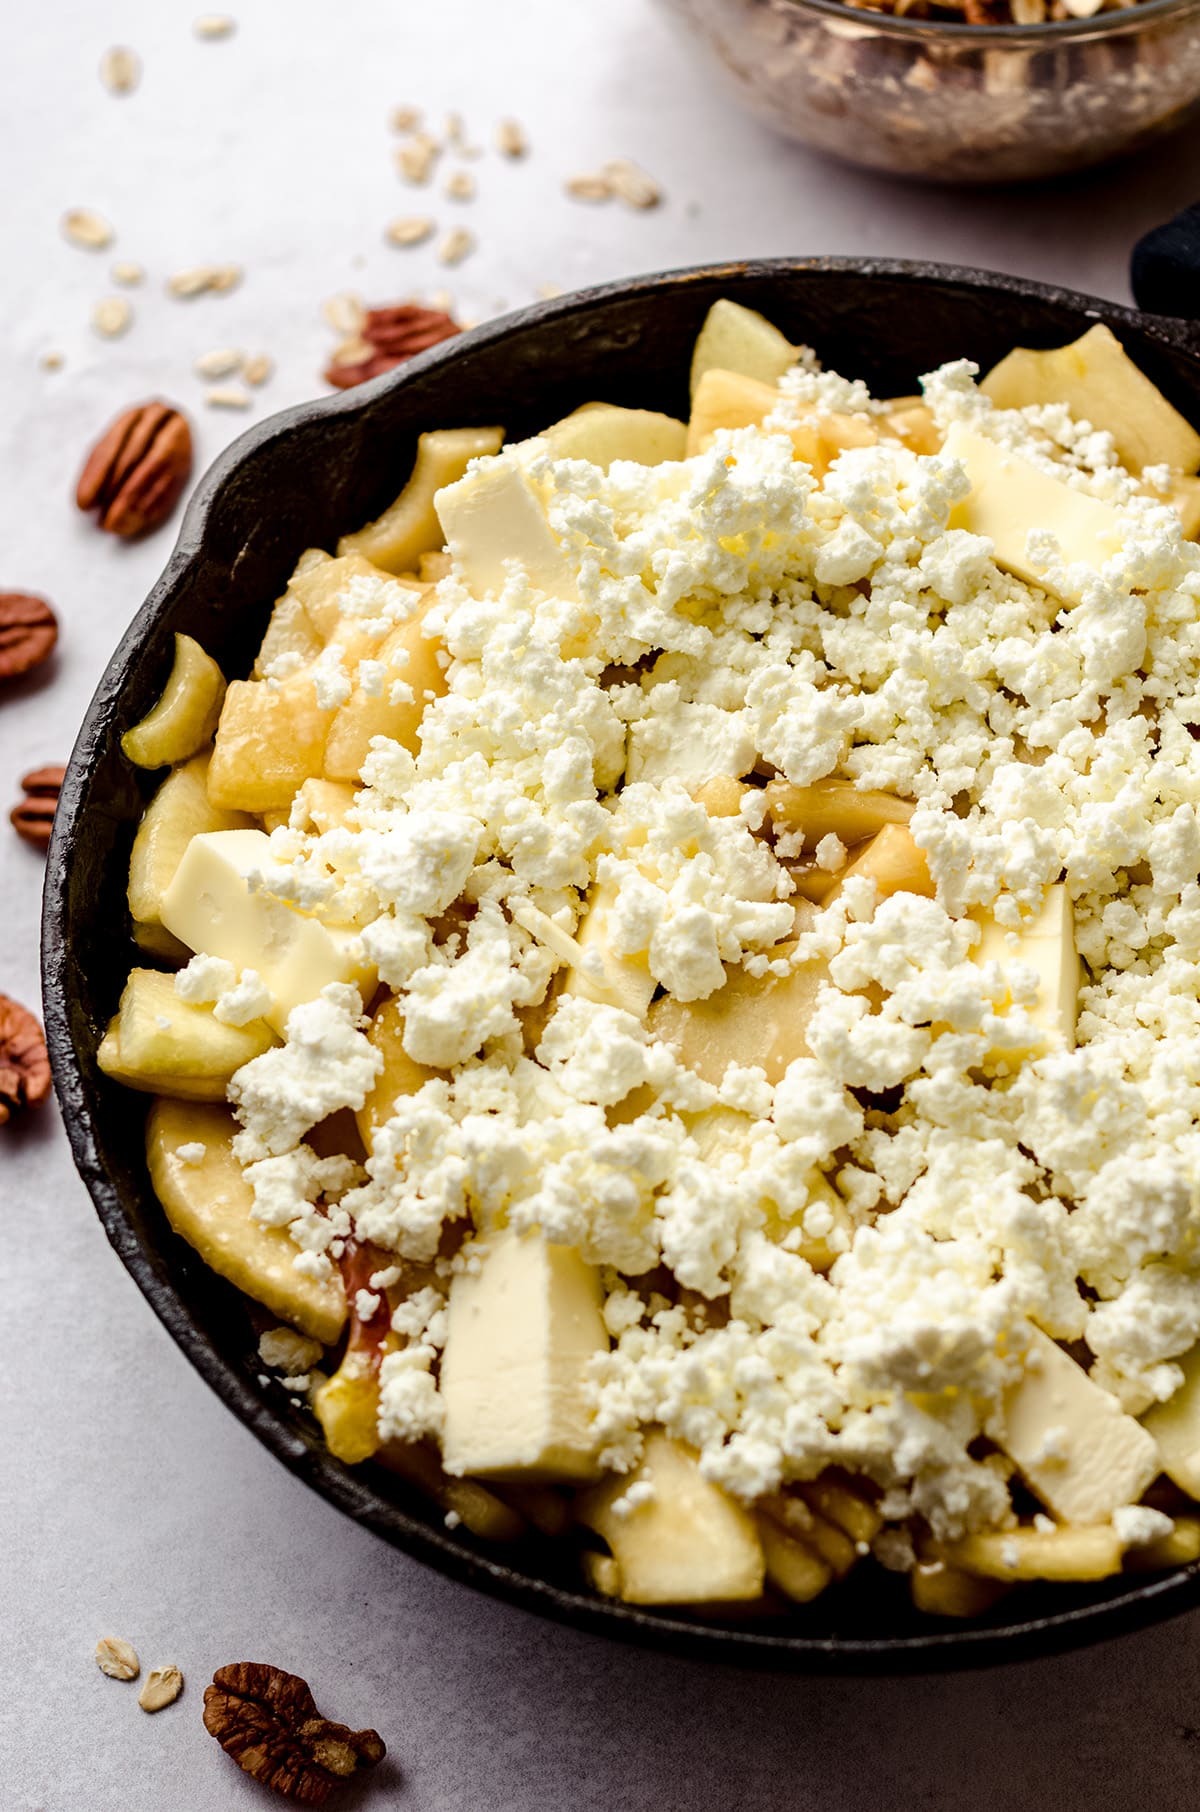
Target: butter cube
{"type": "Point", "coordinates": [1175, 1425]}
{"type": "Point", "coordinates": [1010, 498]}
{"type": "Point", "coordinates": [211, 906]}
{"type": "Point", "coordinates": [1072, 1442]}
{"type": "Point", "coordinates": [689, 1542]}
{"type": "Point", "coordinates": [520, 1332]}
{"type": "Point", "coordinates": [1046, 944]}
{"type": "Point", "coordinates": [492, 517]}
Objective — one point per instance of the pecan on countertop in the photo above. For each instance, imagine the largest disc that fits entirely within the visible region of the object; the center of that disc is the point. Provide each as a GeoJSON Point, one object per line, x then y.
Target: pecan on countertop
{"type": "Point", "coordinates": [386, 338]}
{"type": "Point", "coordinates": [137, 469]}
{"type": "Point", "coordinates": [33, 818]}
{"type": "Point", "coordinates": [24, 1064]}
{"type": "Point", "coordinates": [28, 632]}
{"type": "Point", "coordinates": [267, 1720]}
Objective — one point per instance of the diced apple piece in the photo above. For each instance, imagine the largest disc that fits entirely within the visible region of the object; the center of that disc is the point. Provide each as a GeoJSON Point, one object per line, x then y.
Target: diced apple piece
{"type": "Point", "coordinates": [893, 860]}
{"type": "Point", "coordinates": [492, 518]}
{"type": "Point", "coordinates": [602, 432]}
{"type": "Point", "coordinates": [912, 424]}
{"type": "Point", "coordinates": [186, 714]}
{"type": "Point", "coordinates": [734, 338]}
{"type": "Point", "coordinates": [791, 1566]}
{"type": "Point", "coordinates": [290, 635]}
{"type": "Point", "coordinates": [1099, 382]}
{"type": "Point", "coordinates": [410, 658]}
{"type": "Point", "coordinates": [689, 1543]}
{"type": "Point", "coordinates": [208, 1204]}
{"type": "Point", "coordinates": [1184, 497]}
{"type": "Point", "coordinates": [400, 1075]}
{"type": "Point", "coordinates": [170, 1046]}
{"type": "Point", "coordinates": [1179, 1548]}
{"type": "Point", "coordinates": [796, 1516]}
{"type": "Point", "coordinates": [1046, 944]}
{"type": "Point", "coordinates": [846, 1504]}
{"type": "Point", "coordinates": [600, 974]}
{"type": "Point", "coordinates": [1068, 1555]}
{"type": "Point", "coordinates": [721, 796]}
{"type": "Point", "coordinates": [521, 1330]}
{"type": "Point", "coordinates": [1175, 1426]}
{"type": "Point", "coordinates": [212, 907]}
{"type": "Point", "coordinates": [751, 1020]}
{"type": "Point", "coordinates": [180, 810]}
{"type": "Point", "coordinates": [409, 527]}
{"type": "Point", "coordinates": [324, 805]}
{"type": "Point", "coordinates": [433, 567]}
{"type": "Point", "coordinates": [833, 808]}
{"type": "Point", "coordinates": [1011, 498]}
{"type": "Point", "coordinates": [476, 1508]}
{"type": "Point", "coordinates": [321, 589]}
{"type": "Point", "coordinates": [1072, 1443]}
{"type": "Point", "coordinates": [942, 1591]}
{"type": "Point", "coordinates": [719, 1131]}
{"type": "Point", "coordinates": [347, 1407]}
{"type": "Point", "coordinates": [727, 399]}
{"type": "Point", "coordinates": [269, 740]}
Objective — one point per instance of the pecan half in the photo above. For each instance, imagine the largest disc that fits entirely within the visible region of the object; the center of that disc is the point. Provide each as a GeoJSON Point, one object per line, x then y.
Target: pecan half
{"type": "Point", "coordinates": [387, 338]}
{"type": "Point", "coordinates": [267, 1720]}
{"type": "Point", "coordinates": [33, 818]}
{"type": "Point", "coordinates": [24, 1065]}
{"type": "Point", "coordinates": [28, 632]}
{"type": "Point", "coordinates": [137, 469]}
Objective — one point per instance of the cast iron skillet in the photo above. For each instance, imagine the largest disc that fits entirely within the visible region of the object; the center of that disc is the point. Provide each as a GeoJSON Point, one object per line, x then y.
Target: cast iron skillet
{"type": "Point", "coordinates": [299, 480]}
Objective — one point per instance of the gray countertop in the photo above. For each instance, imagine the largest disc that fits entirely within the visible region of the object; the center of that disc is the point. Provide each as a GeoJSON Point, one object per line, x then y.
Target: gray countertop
{"type": "Point", "coordinates": [130, 1501]}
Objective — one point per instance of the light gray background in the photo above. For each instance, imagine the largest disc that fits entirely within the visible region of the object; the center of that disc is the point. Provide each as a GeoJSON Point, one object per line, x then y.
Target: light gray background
{"type": "Point", "coordinates": [130, 1501]}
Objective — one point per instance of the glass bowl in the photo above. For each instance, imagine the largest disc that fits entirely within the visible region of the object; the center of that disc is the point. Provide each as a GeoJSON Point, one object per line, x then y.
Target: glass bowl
{"type": "Point", "coordinates": [957, 103]}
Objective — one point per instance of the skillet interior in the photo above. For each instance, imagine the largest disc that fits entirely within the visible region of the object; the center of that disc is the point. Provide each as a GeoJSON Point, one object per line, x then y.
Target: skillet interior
{"type": "Point", "coordinates": [299, 480]}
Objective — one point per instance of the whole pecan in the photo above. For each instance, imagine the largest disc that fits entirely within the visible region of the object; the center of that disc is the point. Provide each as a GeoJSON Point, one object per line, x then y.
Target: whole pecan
{"type": "Point", "coordinates": [267, 1720]}
{"type": "Point", "coordinates": [33, 818]}
{"type": "Point", "coordinates": [387, 338]}
{"type": "Point", "coordinates": [28, 632]}
{"type": "Point", "coordinates": [24, 1065]}
{"type": "Point", "coordinates": [137, 469]}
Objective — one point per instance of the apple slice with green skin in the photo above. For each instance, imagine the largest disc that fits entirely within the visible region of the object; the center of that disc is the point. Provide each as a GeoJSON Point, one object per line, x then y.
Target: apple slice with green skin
{"type": "Point", "coordinates": [1099, 382]}
{"type": "Point", "coordinates": [167, 1046]}
{"type": "Point", "coordinates": [688, 1543]}
{"type": "Point", "coordinates": [734, 338]}
{"type": "Point", "coordinates": [186, 713]}
{"type": "Point", "coordinates": [409, 527]}
{"type": "Point", "coordinates": [208, 1202]}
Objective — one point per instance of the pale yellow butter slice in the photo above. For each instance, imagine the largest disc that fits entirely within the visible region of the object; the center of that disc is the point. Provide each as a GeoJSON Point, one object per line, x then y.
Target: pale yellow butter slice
{"type": "Point", "coordinates": [213, 908]}
{"type": "Point", "coordinates": [521, 1330]}
{"type": "Point", "coordinates": [1175, 1425]}
{"type": "Point", "coordinates": [1072, 1442]}
{"type": "Point", "coordinates": [1046, 944]}
{"type": "Point", "coordinates": [492, 518]}
{"type": "Point", "coordinates": [1011, 498]}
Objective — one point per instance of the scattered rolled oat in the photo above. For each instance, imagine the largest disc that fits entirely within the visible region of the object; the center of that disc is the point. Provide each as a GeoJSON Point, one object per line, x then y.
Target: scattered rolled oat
{"type": "Point", "coordinates": [455, 129]}
{"type": "Point", "coordinates": [510, 139]}
{"type": "Point", "coordinates": [202, 277]}
{"type": "Point", "coordinates": [120, 69]}
{"type": "Point", "coordinates": [548, 291]}
{"type": "Point", "coordinates": [214, 25]}
{"type": "Point", "coordinates": [589, 188]}
{"type": "Point", "coordinates": [457, 245]}
{"type": "Point", "coordinates": [163, 1686]}
{"type": "Point", "coordinates": [405, 119]}
{"type": "Point", "coordinates": [221, 362]}
{"type": "Point", "coordinates": [345, 313]}
{"type": "Point", "coordinates": [257, 368]}
{"type": "Point", "coordinates": [631, 184]}
{"type": "Point", "coordinates": [52, 360]}
{"type": "Point", "coordinates": [112, 316]}
{"type": "Point", "coordinates": [416, 157]}
{"type": "Point", "coordinates": [227, 396]}
{"type": "Point", "coordinates": [117, 1658]}
{"type": "Point", "coordinates": [127, 274]}
{"type": "Point", "coordinates": [352, 352]}
{"type": "Point", "coordinates": [87, 229]}
{"type": "Point", "coordinates": [460, 186]}
{"type": "Point", "coordinates": [413, 229]}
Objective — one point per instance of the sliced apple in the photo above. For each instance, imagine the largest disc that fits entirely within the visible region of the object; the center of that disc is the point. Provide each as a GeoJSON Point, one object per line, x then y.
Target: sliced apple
{"type": "Point", "coordinates": [400, 1074]}
{"type": "Point", "coordinates": [410, 660]}
{"type": "Point", "coordinates": [1175, 1426]}
{"type": "Point", "coordinates": [893, 860]}
{"type": "Point", "coordinates": [833, 808]}
{"type": "Point", "coordinates": [209, 1203]}
{"type": "Point", "coordinates": [689, 1542]}
{"type": "Point", "coordinates": [602, 432]}
{"type": "Point", "coordinates": [734, 338]}
{"type": "Point", "coordinates": [186, 714]}
{"type": "Point", "coordinates": [270, 739]}
{"type": "Point", "coordinates": [751, 1020]}
{"type": "Point", "coordinates": [180, 810]}
{"type": "Point", "coordinates": [409, 527]}
{"type": "Point", "coordinates": [168, 1046]}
